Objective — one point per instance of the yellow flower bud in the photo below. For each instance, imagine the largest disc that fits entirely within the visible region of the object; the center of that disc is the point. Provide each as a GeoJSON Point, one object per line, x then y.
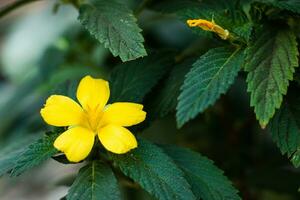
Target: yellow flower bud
{"type": "Point", "coordinates": [209, 26]}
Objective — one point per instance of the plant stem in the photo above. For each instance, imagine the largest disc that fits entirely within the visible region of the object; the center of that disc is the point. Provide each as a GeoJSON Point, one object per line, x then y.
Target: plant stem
{"type": "Point", "coordinates": [141, 7]}
{"type": "Point", "coordinates": [7, 9]}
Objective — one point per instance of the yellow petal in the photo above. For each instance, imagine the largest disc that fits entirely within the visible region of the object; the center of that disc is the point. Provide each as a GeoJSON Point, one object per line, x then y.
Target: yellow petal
{"type": "Point", "coordinates": [117, 139]}
{"type": "Point", "coordinates": [76, 143]}
{"type": "Point", "coordinates": [123, 114]}
{"type": "Point", "coordinates": [93, 93]}
{"type": "Point", "coordinates": [62, 111]}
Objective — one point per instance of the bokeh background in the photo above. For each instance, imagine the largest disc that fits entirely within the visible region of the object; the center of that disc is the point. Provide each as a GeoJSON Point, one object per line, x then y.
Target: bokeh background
{"type": "Point", "coordinates": [43, 50]}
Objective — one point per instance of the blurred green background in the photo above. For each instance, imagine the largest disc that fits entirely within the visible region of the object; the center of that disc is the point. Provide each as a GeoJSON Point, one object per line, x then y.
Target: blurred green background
{"type": "Point", "coordinates": [42, 53]}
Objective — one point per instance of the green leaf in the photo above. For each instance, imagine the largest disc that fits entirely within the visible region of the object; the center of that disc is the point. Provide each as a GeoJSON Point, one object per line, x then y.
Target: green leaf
{"type": "Point", "coordinates": [131, 81]}
{"type": "Point", "coordinates": [166, 99]}
{"type": "Point", "coordinates": [208, 182]}
{"type": "Point", "coordinates": [271, 62]}
{"type": "Point", "coordinates": [35, 154]}
{"type": "Point", "coordinates": [155, 172]}
{"type": "Point", "coordinates": [285, 127]}
{"type": "Point", "coordinates": [94, 181]}
{"type": "Point", "coordinates": [114, 25]}
{"type": "Point", "coordinates": [210, 77]}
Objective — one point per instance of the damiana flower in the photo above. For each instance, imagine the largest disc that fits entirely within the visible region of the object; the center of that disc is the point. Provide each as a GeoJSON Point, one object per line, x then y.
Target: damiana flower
{"type": "Point", "coordinates": [209, 26]}
{"type": "Point", "coordinates": [92, 118]}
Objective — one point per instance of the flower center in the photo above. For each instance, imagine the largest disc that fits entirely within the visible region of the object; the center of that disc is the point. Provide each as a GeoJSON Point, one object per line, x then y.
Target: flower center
{"type": "Point", "coordinates": [94, 117]}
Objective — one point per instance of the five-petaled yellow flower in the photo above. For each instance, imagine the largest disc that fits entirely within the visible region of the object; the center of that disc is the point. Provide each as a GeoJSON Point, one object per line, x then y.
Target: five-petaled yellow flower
{"type": "Point", "coordinates": [92, 118]}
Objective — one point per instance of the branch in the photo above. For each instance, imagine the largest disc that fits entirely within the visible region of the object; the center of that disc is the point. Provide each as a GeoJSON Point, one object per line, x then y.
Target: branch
{"type": "Point", "coordinates": [7, 9]}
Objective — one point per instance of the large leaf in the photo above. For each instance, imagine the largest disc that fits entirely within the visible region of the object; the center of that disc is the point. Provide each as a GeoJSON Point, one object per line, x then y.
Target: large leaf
{"type": "Point", "coordinates": [210, 77]}
{"type": "Point", "coordinates": [131, 81]}
{"type": "Point", "coordinates": [114, 25]}
{"type": "Point", "coordinates": [94, 181]}
{"type": "Point", "coordinates": [285, 128]}
{"type": "Point", "coordinates": [35, 154]}
{"type": "Point", "coordinates": [271, 62]}
{"type": "Point", "coordinates": [155, 172]}
{"type": "Point", "coordinates": [208, 182]}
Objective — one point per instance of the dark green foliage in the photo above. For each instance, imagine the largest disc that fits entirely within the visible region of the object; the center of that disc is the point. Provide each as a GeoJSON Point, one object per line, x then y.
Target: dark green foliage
{"type": "Point", "coordinates": [285, 128]}
{"type": "Point", "coordinates": [291, 5]}
{"type": "Point", "coordinates": [133, 80]}
{"type": "Point", "coordinates": [271, 62]}
{"type": "Point", "coordinates": [94, 181]}
{"type": "Point", "coordinates": [207, 181]}
{"type": "Point", "coordinates": [114, 25]}
{"type": "Point", "coordinates": [149, 166]}
{"type": "Point", "coordinates": [166, 100]}
{"type": "Point", "coordinates": [210, 77]}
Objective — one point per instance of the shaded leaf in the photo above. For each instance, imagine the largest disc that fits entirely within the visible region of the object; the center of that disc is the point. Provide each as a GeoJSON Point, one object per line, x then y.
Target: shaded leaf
{"type": "Point", "coordinates": [131, 81]}
{"type": "Point", "coordinates": [166, 99]}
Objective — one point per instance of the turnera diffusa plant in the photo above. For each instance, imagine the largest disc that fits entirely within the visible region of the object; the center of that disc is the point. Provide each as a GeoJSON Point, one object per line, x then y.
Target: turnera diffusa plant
{"type": "Point", "coordinates": [92, 118]}
{"type": "Point", "coordinates": [242, 55]}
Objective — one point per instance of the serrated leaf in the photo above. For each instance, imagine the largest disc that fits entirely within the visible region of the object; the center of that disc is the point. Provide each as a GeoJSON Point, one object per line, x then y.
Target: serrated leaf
{"type": "Point", "coordinates": [271, 62]}
{"type": "Point", "coordinates": [166, 99]}
{"type": "Point", "coordinates": [149, 166]}
{"type": "Point", "coordinates": [94, 181]}
{"type": "Point", "coordinates": [208, 182]}
{"type": "Point", "coordinates": [35, 154]}
{"type": "Point", "coordinates": [114, 25]}
{"type": "Point", "coordinates": [131, 81]}
{"type": "Point", "coordinates": [211, 75]}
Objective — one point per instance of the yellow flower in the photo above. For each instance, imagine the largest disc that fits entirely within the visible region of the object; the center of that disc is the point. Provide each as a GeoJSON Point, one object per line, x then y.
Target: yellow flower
{"type": "Point", "coordinates": [209, 26]}
{"type": "Point", "coordinates": [92, 118]}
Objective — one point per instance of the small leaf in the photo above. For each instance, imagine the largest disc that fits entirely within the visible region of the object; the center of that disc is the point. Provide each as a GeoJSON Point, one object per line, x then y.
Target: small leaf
{"type": "Point", "coordinates": [35, 154]}
{"type": "Point", "coordinates": [114, 25]}
{"type": "Point", "coordinates": [208, 182]}
{"type": "Point", "coordinates": [210, 77]}
{"type": "Point", "coordinates": [149, 166]}
{"type": "Point", "coordinates": [271, 62]}
{"type": "Point", "coordinates": [131, 81]}
{"type": "Point", "coordinates": [94, 181]}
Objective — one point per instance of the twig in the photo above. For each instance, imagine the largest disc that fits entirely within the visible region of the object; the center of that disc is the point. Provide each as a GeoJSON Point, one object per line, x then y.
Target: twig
{"type": "Point", "coordinates": [7, 9]}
